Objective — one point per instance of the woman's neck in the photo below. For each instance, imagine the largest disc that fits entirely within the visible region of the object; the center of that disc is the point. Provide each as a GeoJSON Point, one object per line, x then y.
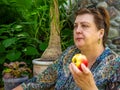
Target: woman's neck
{"type": "Point", "coordinates": [92, 54]}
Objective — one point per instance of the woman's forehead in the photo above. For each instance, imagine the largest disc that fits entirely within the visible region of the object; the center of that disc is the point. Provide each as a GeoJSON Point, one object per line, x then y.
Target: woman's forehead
{"type": "Point", "coordinates": [88, 18]}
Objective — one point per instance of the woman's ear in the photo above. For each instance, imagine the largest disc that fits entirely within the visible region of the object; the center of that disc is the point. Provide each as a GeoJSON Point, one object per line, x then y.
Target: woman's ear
{"type": "Point", "coordinates": [101, 33]}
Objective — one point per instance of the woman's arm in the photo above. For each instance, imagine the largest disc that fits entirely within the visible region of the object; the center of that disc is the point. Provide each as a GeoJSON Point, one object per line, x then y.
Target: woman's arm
{"type": "Point", "coordinates": [43, 81]}
{"type": "Point", "coordinates": [18, 88]}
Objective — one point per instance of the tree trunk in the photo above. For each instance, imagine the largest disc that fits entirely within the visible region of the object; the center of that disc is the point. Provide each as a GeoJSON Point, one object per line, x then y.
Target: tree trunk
{"type": "Point", "coordinates": [54, 47]}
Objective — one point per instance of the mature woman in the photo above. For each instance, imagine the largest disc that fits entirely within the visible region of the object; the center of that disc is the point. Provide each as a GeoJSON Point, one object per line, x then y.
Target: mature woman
{"type": "Point", "coordinates": [91, 28]}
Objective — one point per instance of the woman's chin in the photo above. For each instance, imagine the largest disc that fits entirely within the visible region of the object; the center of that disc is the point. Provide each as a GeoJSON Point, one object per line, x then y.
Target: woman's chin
{"type": "Point", "coordinates": [80, 45]}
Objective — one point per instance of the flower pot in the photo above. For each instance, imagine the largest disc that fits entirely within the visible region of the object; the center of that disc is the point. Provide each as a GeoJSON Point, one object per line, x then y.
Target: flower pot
{"type": "Point", "coordinates": [40, 65]}
{"type": "Point", "coordinates": [11, 83]}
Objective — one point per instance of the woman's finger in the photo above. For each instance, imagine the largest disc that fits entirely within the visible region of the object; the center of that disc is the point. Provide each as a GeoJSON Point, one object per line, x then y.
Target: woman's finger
{"type": "Point", "coordinates": [74, 69]}
{"type": "Point", "coordinates": [85, 69]}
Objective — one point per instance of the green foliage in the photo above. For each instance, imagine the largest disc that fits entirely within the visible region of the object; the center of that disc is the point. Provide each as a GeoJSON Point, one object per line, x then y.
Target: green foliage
{"type": "Point", "coordinates": [16, 43]}
{"type": "Point", "coordinates": [25, 29]}
{"type": "Point", "coordinates": [29, 50]}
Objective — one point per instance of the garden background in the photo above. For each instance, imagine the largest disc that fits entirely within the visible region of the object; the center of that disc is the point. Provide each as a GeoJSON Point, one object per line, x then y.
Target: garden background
{"type": "Point", "coordinates": [25, 29]}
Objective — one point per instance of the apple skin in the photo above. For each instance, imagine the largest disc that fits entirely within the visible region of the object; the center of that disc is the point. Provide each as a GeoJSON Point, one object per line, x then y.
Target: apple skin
{"type": "Point", "coordinates": [78, 59]}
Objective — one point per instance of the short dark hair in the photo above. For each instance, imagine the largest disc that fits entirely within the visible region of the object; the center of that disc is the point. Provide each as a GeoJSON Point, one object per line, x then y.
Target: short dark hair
{"type": "Point", "coordinates": [101, 18]}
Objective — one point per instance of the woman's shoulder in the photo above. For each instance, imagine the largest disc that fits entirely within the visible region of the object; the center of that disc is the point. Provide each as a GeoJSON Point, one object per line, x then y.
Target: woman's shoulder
{"type": "Point", "coordinates": [109, 62]}
{"type": "Point", "coordinates": [107, 69]}
{"type": "Point", "coordinates": [110, 54]}
{"type": "Point", "coordinates": [112, 60]}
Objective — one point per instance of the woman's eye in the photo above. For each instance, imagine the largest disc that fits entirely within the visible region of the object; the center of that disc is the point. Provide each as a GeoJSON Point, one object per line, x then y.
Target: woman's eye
{"type": "Point", "coordinates": [75, 26]}
{"type": "Point", "coordinates": [85, 26]}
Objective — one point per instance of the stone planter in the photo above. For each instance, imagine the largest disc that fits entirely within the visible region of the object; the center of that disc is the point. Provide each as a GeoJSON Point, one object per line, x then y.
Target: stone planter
{"type": "Point", "coordinates": [40, 65]}
{"type": "Point", "coordinates": [11, 83]}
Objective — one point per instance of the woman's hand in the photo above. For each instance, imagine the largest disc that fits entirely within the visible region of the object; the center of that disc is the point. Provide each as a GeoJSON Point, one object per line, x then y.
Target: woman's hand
{"type": "Point", "coordinates": [84, 79]}
{"type": "Point", "coordinates": [18, 88]}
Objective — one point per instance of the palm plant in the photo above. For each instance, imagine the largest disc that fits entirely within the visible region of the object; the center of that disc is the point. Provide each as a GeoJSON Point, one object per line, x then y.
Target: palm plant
{"type": "Point", "coordinates": [54, 47]}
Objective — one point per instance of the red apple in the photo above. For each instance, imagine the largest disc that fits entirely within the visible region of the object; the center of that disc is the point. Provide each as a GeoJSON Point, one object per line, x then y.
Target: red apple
{"type": "Point", "coordinates": [78, 59]}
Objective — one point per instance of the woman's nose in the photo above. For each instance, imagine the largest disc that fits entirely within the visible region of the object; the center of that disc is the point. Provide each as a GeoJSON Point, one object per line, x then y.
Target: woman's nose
{"type": "Point", "coordinates": [79, 29]}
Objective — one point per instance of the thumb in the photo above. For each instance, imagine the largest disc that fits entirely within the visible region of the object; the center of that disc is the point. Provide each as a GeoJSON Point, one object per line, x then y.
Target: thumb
{"type": "Point", "coordinates": [85, 69]}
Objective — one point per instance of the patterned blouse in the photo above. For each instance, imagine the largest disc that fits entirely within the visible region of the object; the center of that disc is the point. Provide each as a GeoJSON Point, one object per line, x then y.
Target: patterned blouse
{"type": "Point", "coordinates": [106, 72]}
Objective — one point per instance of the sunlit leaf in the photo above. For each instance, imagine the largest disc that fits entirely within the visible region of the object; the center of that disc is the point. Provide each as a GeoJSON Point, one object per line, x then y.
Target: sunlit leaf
{"type": "Point", "coordinates": [7, 70]}
{"type": "Point", "coordinates": [23, 34]}
{"type": "Point", "coordinates": [9, 41]}
{"type": "Point", "coordinates": [31, 51]}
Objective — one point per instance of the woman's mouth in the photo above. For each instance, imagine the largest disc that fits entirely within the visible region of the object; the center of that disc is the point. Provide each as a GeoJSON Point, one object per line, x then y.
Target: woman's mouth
{"type": "Point", "coordinates": [78, 39]}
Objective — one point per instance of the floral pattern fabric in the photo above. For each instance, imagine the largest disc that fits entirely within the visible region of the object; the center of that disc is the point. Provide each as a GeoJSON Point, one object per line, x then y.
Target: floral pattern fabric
{"type": "Point", "coordinates": [106, 72]}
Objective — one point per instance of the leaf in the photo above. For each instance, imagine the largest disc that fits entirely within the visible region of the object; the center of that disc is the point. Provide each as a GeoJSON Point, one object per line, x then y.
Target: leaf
{"type": "Point", "coordinates": [43, 8]}
{"type": "Point", "coordinates": [2, 59]}
{"type": "Point", "coordinates": [18, 27]}
{"type": "Point", "coordinates": [13, 55]}
{"type": "Point", "coordinates": [31, 51]}
{"type": "Point", "coordinates": [2, 48]}
{"type": "Point", "coordinates": [3, 37]}
{"type": "Point", "coordinates": [10, 41]}
{"type": "Point", "coordinates": [2, 30]}
{"type": "Point", "coordinates": [5, 2]}
{"type": "Point", "coordinates": [7, 70]}
{"type": "Point", "coordinates": [26, 4]}
{"type": "Point", "coordinates": [23, 34]}
{"type": "Point", "coordinates": [43, 46]}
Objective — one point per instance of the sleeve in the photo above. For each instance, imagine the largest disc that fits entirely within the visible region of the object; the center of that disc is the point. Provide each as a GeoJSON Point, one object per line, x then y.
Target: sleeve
{"type": "Point", "coordinates": [114, 83]}
{"type": "Point", "coordinates": [44, 81]}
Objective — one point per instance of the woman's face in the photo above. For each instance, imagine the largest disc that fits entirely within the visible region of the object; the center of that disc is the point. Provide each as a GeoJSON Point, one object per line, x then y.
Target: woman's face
{"type": "Point", "coordinates": [86, 33]}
